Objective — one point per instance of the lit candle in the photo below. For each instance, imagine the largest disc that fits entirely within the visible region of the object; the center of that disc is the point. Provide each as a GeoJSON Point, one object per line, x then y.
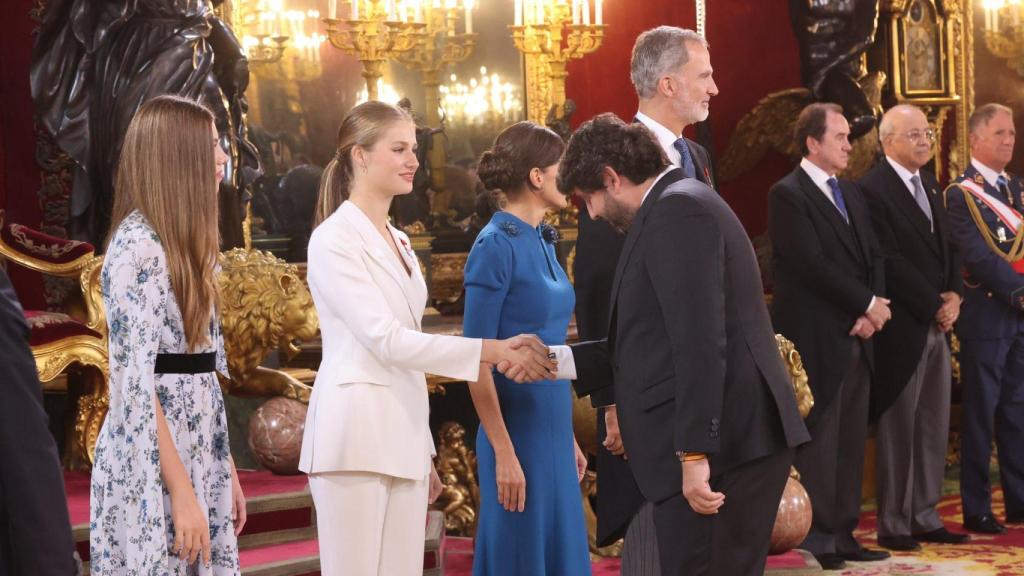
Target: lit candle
{"type": "Point", "coordinates": [419, 11]}
{"type": "Point", "coordinates": [575, 11]}
{"type": "Point", "coordinates": [332, 9]}
{"type": "Point", "coordinates": [517, 10]}
{"type": "Point", "coordinates": [355, 10]}
{"type": "Point", "coordinates": [586, 12]}
{"type": "Point", "coordinates": [469, 16]}
{"type": "Point", "coordinates": [540, 11]}
{"type": "Point", "coordinates": [598, 15]}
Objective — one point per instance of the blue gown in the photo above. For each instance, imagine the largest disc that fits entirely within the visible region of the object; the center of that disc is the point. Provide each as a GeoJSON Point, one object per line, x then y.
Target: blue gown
{"type": "Point", "coordinates": [514, 285]}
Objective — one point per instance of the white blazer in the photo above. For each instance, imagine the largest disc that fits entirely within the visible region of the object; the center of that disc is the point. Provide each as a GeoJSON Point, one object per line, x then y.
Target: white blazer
{"type": "Point", "coordinates": [369, 409]}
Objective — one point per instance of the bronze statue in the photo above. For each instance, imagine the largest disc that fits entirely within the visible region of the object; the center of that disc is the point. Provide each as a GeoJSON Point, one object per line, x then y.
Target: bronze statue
{"type": "Point", "coordinates": [833, 35]}
{"type": "Point", "coordinates": [96, 61]}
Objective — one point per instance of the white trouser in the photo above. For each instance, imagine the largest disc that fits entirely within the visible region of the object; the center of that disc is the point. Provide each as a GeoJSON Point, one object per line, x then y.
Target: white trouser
{"type": "Point", "coordinates": [369, 524]}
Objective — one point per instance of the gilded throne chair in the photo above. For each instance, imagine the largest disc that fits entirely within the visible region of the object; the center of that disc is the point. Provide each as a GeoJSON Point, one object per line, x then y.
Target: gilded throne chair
{"type": "Point", "coordinates": [61, 341]}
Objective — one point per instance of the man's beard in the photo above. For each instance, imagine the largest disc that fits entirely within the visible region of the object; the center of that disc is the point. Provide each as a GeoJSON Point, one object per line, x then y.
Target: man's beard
{"type": "Point", "coordinates": [618, 215]}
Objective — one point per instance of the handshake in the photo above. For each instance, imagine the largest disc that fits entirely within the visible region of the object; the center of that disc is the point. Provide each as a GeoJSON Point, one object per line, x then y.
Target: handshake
{"type": "Point", "coordinates": [523, 358]}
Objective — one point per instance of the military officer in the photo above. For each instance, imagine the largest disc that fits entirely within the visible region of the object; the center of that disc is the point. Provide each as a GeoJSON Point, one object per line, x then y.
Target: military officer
{"type": "Point", "coordinates": [985, 206]}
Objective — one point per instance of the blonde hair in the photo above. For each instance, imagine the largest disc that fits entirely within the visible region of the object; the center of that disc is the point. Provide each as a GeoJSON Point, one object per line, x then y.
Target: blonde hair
{"type": "Point", "coordinates": [167, 171]}
{"type": "Point", "coordinates": [363, 126]}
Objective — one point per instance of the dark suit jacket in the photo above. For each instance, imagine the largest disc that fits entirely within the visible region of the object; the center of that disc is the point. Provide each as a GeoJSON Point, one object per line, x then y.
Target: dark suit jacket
{"type": "Point", "coordinates": [919, 265]}
{"type": "Point", "coordinates": [35, 532]}
{"type": "Point", "coordinates": [993, 290]}
{"type": "Point", "coordinates": [691, 354]}
{"type": "Point", "coordinates": [825, 272]}
{"type": "Point", "coordinates": [597, 250]}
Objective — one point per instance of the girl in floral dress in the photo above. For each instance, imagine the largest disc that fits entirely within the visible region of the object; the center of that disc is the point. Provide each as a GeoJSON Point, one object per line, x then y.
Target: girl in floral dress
{"type": "Point", "coordinates": [165, 493]}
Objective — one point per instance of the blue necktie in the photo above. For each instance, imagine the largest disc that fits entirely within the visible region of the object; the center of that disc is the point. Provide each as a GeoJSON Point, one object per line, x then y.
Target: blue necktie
{"type": "Point", "coordinates": [837, 195]}
{"type": "Point", "coordinates": [1004, 186]}
{"type": "Point", "coordinates": [685, 160]}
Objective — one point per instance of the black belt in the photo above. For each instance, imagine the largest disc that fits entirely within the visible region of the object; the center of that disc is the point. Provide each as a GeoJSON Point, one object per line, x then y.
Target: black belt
{"type": "Point", "coordinates": [186, 363]}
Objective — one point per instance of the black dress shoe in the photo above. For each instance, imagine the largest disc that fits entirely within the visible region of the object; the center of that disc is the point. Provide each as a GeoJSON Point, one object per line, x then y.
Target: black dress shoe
{"type": "Point", "coordinates": [985, 524]}
{"type": "Point", "coordinates": [899, 543]}
{"type": "Point", "coordinates": [941, 536]}
{"type": "Point", "coordinates": [830, 562]}
{"type": "Point", "coordinates": [865, 555]}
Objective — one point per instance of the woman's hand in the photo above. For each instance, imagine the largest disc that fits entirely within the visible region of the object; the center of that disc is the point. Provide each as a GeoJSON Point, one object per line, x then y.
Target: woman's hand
{"type": "Point", "coordinates": [435, 485]}
{"type": "Point", "coordinates": [238, 510]}
{"type": "Point", "coordinates": [522, 358]}
{"type": "Point", "coordinates": [511, 482]}
{"type": "Point", "coordinates": [581, 461]}
{"type": "Point", "coordinates": [191, 530]}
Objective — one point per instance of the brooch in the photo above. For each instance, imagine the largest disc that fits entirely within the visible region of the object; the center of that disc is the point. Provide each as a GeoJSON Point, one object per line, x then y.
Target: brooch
{"type": "Point", "coordinates": [408, 249]}
{"type": "Point", "coordinates": [549, 233]}
{"type": "Point", "coordinates": [509, 228]}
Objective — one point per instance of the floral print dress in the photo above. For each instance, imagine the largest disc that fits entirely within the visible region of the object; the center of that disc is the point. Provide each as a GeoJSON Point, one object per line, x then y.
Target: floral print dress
{"type": "Point", "coordinates": [131, 529]}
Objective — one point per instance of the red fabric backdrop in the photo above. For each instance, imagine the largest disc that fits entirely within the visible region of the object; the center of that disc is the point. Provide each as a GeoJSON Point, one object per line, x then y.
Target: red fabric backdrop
{"type": "Point", "coordinates": [753, 52]}
{"type": "Point", "coordinates": [19, 173]}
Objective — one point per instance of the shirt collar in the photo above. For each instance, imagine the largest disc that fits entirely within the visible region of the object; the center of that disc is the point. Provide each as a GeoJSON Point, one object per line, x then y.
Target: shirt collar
{"type": "Point", "coordinates": [987, 173]}
{"type": "Point", "coordinates": [818, 176]}
{"type": "Point", "coordinates": [665, 136]}
{"type": "Point", "coordinates": [903, 173]}
{"type": "Point", "coordinates": [655, 183]}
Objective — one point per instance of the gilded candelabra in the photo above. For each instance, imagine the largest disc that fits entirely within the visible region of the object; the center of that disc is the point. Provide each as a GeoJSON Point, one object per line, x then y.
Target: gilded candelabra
{"type": "Point", "coordinates": [1004, 34]}
{"type": "Point", "coordinates": [440, 45]}
{"type": "Point", "coordinates": [374, 33]}
{"type": "Point", "coordinates": [550, 33]}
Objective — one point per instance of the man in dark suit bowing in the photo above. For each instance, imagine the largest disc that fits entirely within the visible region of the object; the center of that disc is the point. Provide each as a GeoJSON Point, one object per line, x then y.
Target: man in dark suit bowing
{"type": "Point", "coordinates": [985, 206]}
{"type": "Point", "coordinates": [671, 72]}
{"type": "Point", "coordinates": [35, 533]}
{"type": "Point", "coordinates": [705, 405]}
{"type": "Point", "coordinates": [911, 389]}
{"type": "Point", "coordinates": [828, 273]}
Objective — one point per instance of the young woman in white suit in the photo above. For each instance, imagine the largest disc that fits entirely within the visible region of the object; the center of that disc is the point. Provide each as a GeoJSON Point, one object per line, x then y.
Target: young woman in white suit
{"type": "Point", "coordinates": [367, 446]}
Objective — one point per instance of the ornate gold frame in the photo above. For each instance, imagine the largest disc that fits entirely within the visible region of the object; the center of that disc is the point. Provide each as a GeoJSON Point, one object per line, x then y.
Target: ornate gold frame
{"type": "Point", "coordinates": [897, 33]}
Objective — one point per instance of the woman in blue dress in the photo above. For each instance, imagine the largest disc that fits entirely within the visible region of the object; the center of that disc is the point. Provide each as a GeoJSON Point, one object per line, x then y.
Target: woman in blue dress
{"type": "Point", "coordinates": [531, 515]}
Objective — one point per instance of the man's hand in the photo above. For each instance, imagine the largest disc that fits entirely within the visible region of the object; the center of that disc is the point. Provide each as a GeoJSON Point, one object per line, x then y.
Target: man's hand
{"type": "Point", "coordinates": [879, 312]}
{"type": "Point", "coordinates": [949, 311]}
{"type": "Point", "coordinates": [525, 358]}
{"type": "Point", "coordinates": [697, 487]}
{"type": "Point", "coordinates": [612, 439]}
{"type": "Point", "coordinates": [863, 328]}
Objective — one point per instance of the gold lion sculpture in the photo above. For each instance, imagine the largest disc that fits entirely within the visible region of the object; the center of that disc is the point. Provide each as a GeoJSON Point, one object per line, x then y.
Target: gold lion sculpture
{"type": "Point", "coordinates": [263, 305]}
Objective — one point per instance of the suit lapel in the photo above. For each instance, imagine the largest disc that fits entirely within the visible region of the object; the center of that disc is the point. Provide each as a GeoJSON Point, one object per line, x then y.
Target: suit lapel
{"type": "Point", "coordinates": [906, 203]}
{"type": "Point", "coordinates": [378, 249]}
{"type": "Point", "coordinates": [702, 168]}
{"type": "Point", "coordinates": [634, 233]}
{"type": "Point", "coordinates": [829, 212]}
{"type": "Point", "coordinates": [860, 221]}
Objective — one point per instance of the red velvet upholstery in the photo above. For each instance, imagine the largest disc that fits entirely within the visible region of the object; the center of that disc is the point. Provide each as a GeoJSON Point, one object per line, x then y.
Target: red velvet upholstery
{"type": "Point", "coordinates": [43, 246]}
{"type": "Point", "coordinates": [47, 327]}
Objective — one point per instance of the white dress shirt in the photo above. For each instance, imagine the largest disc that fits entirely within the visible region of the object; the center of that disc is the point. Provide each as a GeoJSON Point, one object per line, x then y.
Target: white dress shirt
{"type": "Point", "coordinates": [905, 175]}
{"type": "Point", "coordinates": [989, 174]}
{"type": "Point", "coordinates": [665, 138]}
{"type": "Point", "coordinates": [820, 179]}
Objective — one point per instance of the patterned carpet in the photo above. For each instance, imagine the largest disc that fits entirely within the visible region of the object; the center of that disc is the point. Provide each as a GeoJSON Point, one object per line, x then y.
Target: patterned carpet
{"type": "Point", "coordinates": [983, 555]}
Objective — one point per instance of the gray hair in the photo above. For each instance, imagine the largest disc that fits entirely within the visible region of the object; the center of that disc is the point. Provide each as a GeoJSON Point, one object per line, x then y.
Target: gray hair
{"type": "Point", "coordinates": [657, 52]}
{"type": "Point", "coordinates": [885, 127]}
{"type": "Point", "coordinates": [982, 114]}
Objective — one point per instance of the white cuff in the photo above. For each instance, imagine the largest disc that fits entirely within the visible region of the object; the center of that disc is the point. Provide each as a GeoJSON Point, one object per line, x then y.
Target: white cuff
{"type": "Point", "coordinates": [870, 304]}
{"type": "Point", "coordinates": [566, 363]}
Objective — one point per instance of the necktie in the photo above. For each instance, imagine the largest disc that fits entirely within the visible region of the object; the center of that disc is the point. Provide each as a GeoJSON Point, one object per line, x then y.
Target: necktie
{"type": "Point", "coordinates": [685, 160]}
{"type": "Point", "coordinates": [837, 195]}
{"type": "Point", "coordinates": [922, 199]}
{"type": "Point", "coordinates": [1004, 187]}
